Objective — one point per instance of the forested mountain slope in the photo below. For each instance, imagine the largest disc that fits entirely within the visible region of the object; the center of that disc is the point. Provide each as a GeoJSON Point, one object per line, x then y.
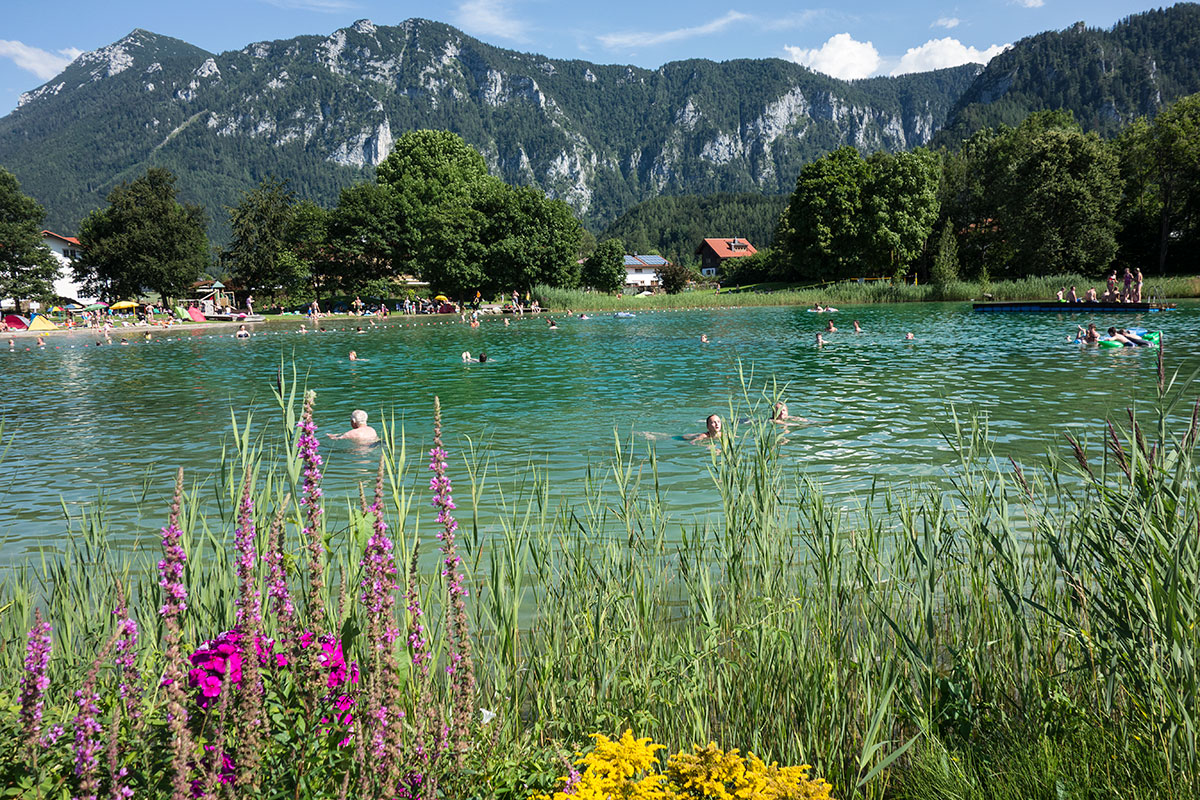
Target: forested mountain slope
{"type": "Point", "coordinates": [323, 111]}
{"type": "Point", "coordinates": [1106, 78]}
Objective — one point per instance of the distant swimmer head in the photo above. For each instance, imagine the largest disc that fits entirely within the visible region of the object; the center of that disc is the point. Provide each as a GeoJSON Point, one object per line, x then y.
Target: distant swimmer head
{"type": "Point", "coordinates": [483, 358]}
{"type": "Point", "coordinates": [779, 411]}
{"type": "Point", "coordinates": [358, 418]}
{"type": "Point", "coordinates": [908, 336]}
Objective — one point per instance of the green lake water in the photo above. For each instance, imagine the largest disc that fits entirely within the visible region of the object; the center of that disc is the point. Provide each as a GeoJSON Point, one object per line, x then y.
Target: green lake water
{"type": "Point", "coordinates": [84, 423]}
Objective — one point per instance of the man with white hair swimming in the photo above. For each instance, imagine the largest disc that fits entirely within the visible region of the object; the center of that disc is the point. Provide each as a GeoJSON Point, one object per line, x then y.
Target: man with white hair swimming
{"type": "Point", "coordinates": [360, 432]}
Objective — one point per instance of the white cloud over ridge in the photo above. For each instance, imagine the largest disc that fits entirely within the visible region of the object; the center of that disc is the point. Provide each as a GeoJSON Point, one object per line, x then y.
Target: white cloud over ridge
{"type": "Point", "coordinates": [649, 39]}
{"type": "Point", "coordinates": [840, 57]}
{"type": "Point", "coordinates": [490, 18]}
{"type": "Point", "coordinates": [41, 63]}
{"type": "Point", "coordinates": [942, 53]}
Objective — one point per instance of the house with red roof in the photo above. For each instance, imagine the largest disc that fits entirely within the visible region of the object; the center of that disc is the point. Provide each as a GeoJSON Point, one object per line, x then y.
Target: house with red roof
{"type": "Point", "coordinates": [714, 252]}
{"type": "Point", "coordinates": [66, 250]}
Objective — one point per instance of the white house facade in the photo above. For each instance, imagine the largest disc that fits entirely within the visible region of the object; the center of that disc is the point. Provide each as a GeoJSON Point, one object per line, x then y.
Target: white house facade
{"type": "Point", "coordinates": [643, 270]}
{"type": "Point", "coordinates": [65, 250]}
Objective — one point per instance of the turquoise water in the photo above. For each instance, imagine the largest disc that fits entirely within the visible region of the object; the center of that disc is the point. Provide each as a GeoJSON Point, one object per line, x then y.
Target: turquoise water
{"type": "Point", "coordinates": [85, 423]}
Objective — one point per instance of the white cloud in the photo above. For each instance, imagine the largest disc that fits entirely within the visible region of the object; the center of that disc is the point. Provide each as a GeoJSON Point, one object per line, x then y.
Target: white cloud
{"type": "Point", "coordinates": [40, 62]}
{"type": "Point", "coordinates": [651, 38]}
{"type": "Point", "coordinates": [942, 53]}
{"type": "Point", "coordinates": [840, 57]}
{"type": "Point", "coordinates": [1030, 3]}
{"type": "Point", "coordinates": [946, 22]}
{"type": "Point", "coordinates": [490, 18]}
{"type": "Point", "coordinates": [323, 6]}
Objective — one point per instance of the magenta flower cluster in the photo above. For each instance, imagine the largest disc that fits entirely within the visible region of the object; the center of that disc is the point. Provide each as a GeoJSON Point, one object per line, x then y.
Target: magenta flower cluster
{"type": "Point", "coordinates": [218, 662]}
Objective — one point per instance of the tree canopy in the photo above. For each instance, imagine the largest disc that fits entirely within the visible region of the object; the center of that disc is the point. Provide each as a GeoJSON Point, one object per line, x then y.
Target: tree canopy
{"type": "Point", "coordinates": [144, 239]}
{"type": "Point", "coordinates": [27, 269]}
{"type": "Point", "coordinates": [604, 269]}
{"type": "Point", "coordinates": [258, 254]}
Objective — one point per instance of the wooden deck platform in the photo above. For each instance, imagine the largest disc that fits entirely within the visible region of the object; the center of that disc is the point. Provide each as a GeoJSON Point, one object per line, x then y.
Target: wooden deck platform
{"type": "Point", "coordinates": [1055, 307]}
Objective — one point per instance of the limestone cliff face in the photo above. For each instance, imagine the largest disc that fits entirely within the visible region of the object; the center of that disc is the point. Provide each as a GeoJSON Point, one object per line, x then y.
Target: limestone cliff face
{"type": "Point", "coordinates": [322, 111]}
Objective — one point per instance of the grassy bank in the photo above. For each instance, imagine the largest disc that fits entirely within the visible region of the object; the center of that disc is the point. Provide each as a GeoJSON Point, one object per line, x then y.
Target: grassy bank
{"type": "Point", "coordinates": [854, 293]}
{"type": "Point", "coordinates": [1032, 633]}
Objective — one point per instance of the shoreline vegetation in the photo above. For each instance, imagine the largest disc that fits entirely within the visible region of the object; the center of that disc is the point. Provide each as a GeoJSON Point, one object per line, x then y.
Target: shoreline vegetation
{"type": "Point", "coordinates": [1031, 633]}
{"type": "Point", "coordinates": [846, 293]}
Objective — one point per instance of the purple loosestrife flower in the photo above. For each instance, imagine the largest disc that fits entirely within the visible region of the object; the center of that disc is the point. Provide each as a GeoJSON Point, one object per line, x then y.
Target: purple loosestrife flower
{"type": "Point", "coordinates": [250, 723]}
{"type": "Point", "coordinates": [308, 446]}
{"type": "Point", "coordinates": [248, 602]}
{"type": "Point", "coordinates": [34, 683]}
{"type": "Point", "coordinates": [277, 585]}
{"type": "Point", "coordinates": [126, 657]}
{"type": "Point", "coordinates": [416, 628]}
{"type": "Point", "coordinates": [174, 603]}
{"type": "Point", "coordinates": [87, 726]}
{"type": "Point", "coordinates": [379, 597]}
{"type": "Point", "coordinates": [461, 668]}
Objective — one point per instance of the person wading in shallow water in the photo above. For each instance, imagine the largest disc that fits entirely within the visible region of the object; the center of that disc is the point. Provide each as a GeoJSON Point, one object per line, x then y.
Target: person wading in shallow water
{"type": "Point", "coordinates": [360, 432]}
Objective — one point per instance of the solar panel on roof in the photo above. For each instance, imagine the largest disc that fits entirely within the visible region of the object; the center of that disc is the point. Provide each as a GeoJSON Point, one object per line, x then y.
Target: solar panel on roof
{"type": "Point", "coordinates": [630, 261]}
{"type": "Point", "coordinates": [653, 261]}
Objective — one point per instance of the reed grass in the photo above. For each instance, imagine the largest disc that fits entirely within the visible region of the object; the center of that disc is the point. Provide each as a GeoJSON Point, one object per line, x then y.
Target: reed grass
{"type": "Point", "coordinates": [854, 293]}
{"type": "Point", "coordinates": [1030, 631]}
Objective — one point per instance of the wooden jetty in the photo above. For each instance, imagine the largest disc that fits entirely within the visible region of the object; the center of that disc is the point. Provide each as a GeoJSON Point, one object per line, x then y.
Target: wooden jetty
{"type": "Point", "coordinates": [1055, 307]}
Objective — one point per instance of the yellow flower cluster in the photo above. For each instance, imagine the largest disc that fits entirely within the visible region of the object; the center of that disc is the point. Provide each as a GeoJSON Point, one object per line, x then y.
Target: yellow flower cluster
{"type": "Point", "coordinates": [626, 769]}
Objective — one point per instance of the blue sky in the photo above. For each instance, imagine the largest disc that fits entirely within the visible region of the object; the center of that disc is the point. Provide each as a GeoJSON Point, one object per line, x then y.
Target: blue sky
{"type": "Point", "coordinates": [846, 40]}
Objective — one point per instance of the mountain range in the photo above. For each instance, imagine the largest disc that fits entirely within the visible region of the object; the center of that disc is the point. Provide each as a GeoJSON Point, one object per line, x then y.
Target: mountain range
{"type": "Point", "coordinates": [322, 111]}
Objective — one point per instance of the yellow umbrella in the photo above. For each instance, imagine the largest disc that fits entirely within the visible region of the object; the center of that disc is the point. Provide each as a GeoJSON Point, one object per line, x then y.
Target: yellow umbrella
{"type": "Point", "coordinates": [442, 298]}
{"type": "Point", "coordinates": [124, 304]}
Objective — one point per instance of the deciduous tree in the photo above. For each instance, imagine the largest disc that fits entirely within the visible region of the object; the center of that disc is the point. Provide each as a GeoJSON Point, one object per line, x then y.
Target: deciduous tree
{"type": "Point", "coordinates": [144, 239]}
{"type": "Point", "coordinates": [259, 256]}
{"type": "Point", "coordinates": [27, 269]}
{"type": "Point", "coordinates": [604, 269]}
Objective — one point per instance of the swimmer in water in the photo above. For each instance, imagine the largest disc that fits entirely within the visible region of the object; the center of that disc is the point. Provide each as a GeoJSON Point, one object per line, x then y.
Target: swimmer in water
{"type": "Point", "coordinates": [820, 340]}
{"type": "Point", "coordinates": [360, 432]}
{"type": "Point", "coordinates": [857, 329]}
{"type": "Point", "coordinates": [354, 356]}
{"type": "Point", "coordinates": [780, 415]}
{"type": "Point", "coordinates": [1088, 336]}
{"type": "Point", "coordinates": [467, 359]}
{"type": "Point", "coordinates": [553, 324]}
{"type": "Point", "coordinates": [302, 328]}
{"type": "Point", "coordinates": [829, 327]}
{"type": "Point", "coordinates": [506, 322]}
{"type": "Point", "coordinates": [704, 338]}
{"type": "Point", "coordinates": [711, 434]}
{"type": "Point", "coordinates": [41, 342]}
{"type": "Point", "coordinates": [242, 333]}
{"type": "Point", "coordinates": [908, 337]}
